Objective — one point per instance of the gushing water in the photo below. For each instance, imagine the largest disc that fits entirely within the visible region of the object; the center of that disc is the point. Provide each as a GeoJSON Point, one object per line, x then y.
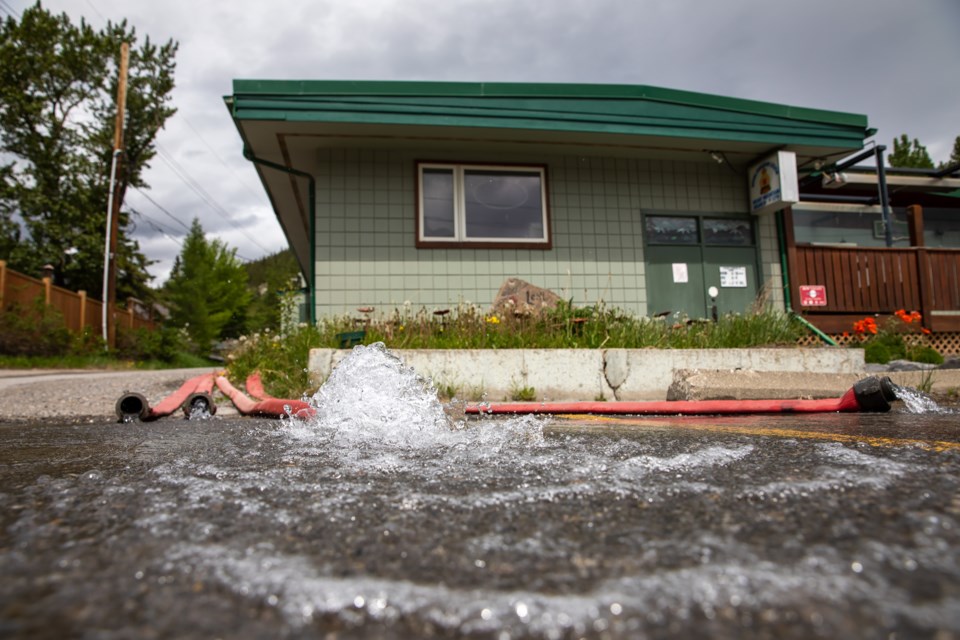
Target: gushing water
{"type": "Point", "coordinates": [372, 396]}
{"type": "Point", "coordinates": [373, 400]}
{"type": "Point", "coordinates": [915, 401]}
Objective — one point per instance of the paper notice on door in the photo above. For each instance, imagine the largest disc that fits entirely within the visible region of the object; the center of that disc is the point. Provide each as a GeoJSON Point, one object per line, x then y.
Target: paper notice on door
{"type": "Point", "coordinates": [680, 272]}
{"type": "Point", "coordinates": [733, 276]}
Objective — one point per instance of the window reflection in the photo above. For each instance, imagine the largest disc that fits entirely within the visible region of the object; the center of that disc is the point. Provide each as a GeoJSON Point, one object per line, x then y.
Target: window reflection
{"type": "Point", "coordinates": [727, 232]}
{"type": "Point", "coordinates": [503, 204]}
{"type": "Point", "coordinates": [671, 230]}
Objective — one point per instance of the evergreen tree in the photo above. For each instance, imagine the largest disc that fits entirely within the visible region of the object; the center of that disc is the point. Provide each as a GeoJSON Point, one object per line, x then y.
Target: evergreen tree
{"type": "Point", "coordinates": [207, 290]}
{"type": "Point", "coordinates": [909, 154]}
{"type": "Point", "coordinates": [270, 278]}
{"type": "Point", "coordinates": [954, 155]}
{"type": "Point", "coordinates": [58, 89]}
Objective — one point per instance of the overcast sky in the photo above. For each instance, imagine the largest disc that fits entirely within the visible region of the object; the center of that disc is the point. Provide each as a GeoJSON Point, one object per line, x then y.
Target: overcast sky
{"type": "Point", "coordinates": [894, 60]}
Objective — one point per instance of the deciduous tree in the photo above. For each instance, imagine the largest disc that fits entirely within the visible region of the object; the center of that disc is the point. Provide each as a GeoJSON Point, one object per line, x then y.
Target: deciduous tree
{"type": "Point", "coordinates": [58, 89]}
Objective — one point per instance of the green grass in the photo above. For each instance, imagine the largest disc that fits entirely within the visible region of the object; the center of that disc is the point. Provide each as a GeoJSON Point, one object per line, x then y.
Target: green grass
{"type": "Point", "coordinates": [282, 358]}
{"type": "Point", "coordinates": [101, 361]}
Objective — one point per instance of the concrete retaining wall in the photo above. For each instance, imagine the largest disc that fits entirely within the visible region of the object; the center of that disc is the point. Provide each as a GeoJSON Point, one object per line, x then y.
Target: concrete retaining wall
{"type": "Point", "coordinates": [585, 374]}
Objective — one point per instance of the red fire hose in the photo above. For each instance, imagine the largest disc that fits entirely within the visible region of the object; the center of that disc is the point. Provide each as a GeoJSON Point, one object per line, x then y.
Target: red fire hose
{"type": "Point", "coordinates": [268, 407]}
{"type": "Point", "coordinates": [868, 395]}
{"type": "Point", "coordinates": [134, 405]}
{"type": "Point", "coordinates": [255, 388]}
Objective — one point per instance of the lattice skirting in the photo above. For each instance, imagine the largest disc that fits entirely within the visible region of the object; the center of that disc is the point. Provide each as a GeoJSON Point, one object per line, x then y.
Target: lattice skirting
{"type": "Point", "coordinates": [946, 343]}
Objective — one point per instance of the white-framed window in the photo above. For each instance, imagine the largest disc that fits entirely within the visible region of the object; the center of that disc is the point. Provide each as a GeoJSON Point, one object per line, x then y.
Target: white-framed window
{"type": "Point", "coordinates": [479, 204]}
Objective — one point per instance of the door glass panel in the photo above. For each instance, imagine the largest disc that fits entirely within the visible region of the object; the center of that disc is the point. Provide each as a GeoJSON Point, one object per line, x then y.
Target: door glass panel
{"type": "Point", "coordinates": [727, 232]}
{"type": "Point", "coordinates": [671, 230]}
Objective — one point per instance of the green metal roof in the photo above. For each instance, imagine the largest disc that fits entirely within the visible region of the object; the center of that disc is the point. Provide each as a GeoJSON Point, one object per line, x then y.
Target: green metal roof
{"type": "Point", "coordinates": [575, 108]}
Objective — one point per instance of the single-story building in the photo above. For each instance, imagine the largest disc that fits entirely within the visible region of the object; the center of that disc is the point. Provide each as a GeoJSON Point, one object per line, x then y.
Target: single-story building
{"type": "Point", "coordinates": [433, 194]}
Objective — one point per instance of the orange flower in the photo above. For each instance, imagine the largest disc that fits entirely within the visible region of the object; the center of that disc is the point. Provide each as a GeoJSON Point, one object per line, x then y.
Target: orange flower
{"type": "Point", "coordinates": [867, 325]}
{"type": "Point", "coordinates": [925, 331]}
{"type": "Point", "coordinates": [909, 318]}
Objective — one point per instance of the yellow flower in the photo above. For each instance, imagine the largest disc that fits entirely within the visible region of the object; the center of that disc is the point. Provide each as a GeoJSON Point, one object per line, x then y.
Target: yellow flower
{"type": "Point", "coordinates": [493, 320]}
{"type": "Point", "coordinates": [401, 327]}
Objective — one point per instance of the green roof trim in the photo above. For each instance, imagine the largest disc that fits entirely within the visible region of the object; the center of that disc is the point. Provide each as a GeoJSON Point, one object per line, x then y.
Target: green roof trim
{"type": "Point", "coordinates": [583, 108]}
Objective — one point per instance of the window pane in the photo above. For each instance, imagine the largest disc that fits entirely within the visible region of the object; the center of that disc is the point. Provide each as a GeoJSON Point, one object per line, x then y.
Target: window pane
{"type": "Point", "coordinates": [941, 227]}
{"type": "Point", "coordinates": [862, 229]}
{"type": "Point", "coordinates": [438, 209]}
{"type": "Point", "coordinates": [671, 230]}
{"type": "Point", "coordinates": [727, 232]}
{"type": "Point", "coordinates": [503, 204]}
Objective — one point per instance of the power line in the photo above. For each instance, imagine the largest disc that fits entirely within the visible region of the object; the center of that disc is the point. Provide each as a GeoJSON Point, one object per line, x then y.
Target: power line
{"type": "Point", "coordinates": [10, 11]}
{"type": "Point", "coordinates": [154, 202]}
{"type": "Point", "coordinates": [206, 197]}
{"type": "Point", "coordinates": [97, 11]}
{"type": "Point", "coordinates": [240, 180]}
{"type": "Point", "coordinates": [159, 226]}
{"type": "Point", "coordinates": [156, 225]}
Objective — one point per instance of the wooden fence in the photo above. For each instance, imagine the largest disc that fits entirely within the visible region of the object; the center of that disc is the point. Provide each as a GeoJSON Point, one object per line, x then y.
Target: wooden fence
{"type": "Point", "coordinates": [19, 291]}
{"type": "Point", "coordinates": [861, 281]}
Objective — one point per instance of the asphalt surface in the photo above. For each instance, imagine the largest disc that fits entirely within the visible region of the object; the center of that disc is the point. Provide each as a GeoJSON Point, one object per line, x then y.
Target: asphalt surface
{"type": "Point", "coordinates": [835, 525]}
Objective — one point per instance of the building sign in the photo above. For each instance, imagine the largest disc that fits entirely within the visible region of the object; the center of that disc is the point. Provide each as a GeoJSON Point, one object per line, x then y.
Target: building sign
{"type": "Point", "coordinates": [680, 274]}
{"type": "Point", "coordinates": [773, 183]}
{"type": "Point", "coordinates": [813, 295]}
{"type": "Point", "coordinates": [733, 277]}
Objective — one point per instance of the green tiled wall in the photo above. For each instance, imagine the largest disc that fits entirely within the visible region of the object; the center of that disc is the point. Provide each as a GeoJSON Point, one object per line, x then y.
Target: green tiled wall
{"type": "Point", "coordinates": [365, 231]}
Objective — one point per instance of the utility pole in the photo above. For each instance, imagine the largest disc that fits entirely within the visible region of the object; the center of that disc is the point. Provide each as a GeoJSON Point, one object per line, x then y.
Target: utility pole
{"type": "Point", "coordinates": [113, 209]}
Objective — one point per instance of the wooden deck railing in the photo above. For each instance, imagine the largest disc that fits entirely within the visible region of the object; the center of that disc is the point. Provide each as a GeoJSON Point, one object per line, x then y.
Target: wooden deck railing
{"type": "Point", "coordinates": [863, 281]}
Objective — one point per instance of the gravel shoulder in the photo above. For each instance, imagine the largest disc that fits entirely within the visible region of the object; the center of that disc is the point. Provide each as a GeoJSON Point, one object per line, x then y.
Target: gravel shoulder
{"type": "Point", "coordinates": [83, 394]}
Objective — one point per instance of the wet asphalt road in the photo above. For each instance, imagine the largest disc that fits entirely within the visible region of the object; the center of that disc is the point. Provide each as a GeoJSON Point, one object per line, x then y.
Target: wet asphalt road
{"type": "Point", "coordinates": [758, 527]}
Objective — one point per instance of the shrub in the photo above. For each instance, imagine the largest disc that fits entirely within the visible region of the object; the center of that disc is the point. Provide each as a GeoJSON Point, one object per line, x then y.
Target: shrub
{"type": "Point", "coordinates": [895, 338]}
{"type": "Point", "coordinates": [39, 331]}
{"type": "Point", "coordinates": [926, 354]}
{"type": "Point", "coordinates": [163, 344]}
{"type": "Point", "coordinates": [877, 353]}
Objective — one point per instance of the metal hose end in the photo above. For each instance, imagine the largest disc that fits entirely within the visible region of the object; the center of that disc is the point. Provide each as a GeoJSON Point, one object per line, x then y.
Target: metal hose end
{"type": "Point", "coordinates": [132, 406]}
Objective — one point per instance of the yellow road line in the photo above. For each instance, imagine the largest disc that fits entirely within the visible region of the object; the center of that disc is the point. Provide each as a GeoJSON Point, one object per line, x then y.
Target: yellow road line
{"type": "Point", "coordinates": [875, 441]}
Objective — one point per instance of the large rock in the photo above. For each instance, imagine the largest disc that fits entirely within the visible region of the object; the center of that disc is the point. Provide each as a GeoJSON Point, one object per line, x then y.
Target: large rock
{"type": "Point", "coordinates": [519, 296]}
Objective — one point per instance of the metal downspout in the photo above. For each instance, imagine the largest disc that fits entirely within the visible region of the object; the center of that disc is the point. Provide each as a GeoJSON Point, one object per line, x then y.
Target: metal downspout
{"type": "Point", "coordinates": [786, 286]}
{"type": "Point", "coordinates": [311, 195]}
{"type": "Point", "coordinates": [884, 197]}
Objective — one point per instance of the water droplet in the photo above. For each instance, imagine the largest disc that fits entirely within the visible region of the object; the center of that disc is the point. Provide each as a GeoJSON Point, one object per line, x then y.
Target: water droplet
{"type": "Point", "coordinates": [522, 610]}
{"type": "Point", "coordinates": [486, 614]}
{"type": "Point", "coordinates": [856, 567]}
{"type": "Point", "coordinates": [358, 602]}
